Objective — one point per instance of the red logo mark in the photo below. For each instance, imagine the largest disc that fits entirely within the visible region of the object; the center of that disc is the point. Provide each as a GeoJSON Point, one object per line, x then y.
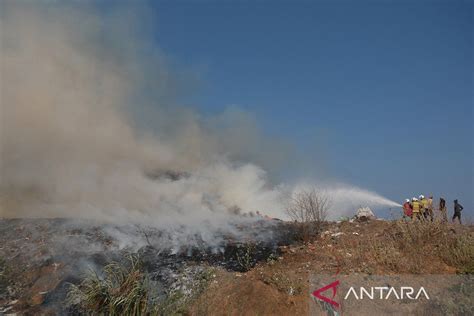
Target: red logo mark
{"type": "Point", "coordinates": [318, 292]}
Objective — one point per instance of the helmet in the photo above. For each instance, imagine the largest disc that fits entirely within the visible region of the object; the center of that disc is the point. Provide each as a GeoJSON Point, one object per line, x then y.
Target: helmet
{"type": "Point", "coordinates": [421, 196]}
{"type": "Point", "coordinates": [414, 199]}
{"type": "Point", "coordinates": [407, 200]}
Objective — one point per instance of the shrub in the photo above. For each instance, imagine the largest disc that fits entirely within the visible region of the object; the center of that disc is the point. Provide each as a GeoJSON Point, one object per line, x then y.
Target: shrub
{"type": "Point", "coordinates": [455, 249]}
{"type": "Point", "coordinates": [308, 208]}
{"type": "Point", "coordinates": [245, 256]}
{"type": "Point", "coordinates": [458, 251]}
{"type": "Point", "coordinates": [122, 290]}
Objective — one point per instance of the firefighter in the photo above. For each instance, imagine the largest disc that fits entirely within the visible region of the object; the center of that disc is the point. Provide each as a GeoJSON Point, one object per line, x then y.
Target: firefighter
{"type": "Point", "coordinates": [407, 209]}
{"type": "Point", "coordinates": [424, 206]}
{"type": "Point", "coordinates": [416, 207]}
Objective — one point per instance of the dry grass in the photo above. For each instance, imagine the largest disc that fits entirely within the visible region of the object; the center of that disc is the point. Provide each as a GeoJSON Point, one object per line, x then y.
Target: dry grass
{"type": "Point", "coordinates": [122, 290]}
{"type": "Point", "coordinates": [438, 240]}
{"type": "Point", "coordinates": [410, 247]}
{"type": "Point", "coordinates": [459, 252]}
{"type": "Point", "coordinates": [282, 281]}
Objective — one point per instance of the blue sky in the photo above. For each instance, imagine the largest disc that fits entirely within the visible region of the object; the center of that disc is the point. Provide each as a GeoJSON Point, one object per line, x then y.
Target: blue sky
{"type": "Point", "coordinates": [379, 93]}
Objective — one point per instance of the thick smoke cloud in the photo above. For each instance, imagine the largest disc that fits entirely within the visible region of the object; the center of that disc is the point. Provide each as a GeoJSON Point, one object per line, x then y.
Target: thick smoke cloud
{"type": "Point", "coordinates": [69, 143]}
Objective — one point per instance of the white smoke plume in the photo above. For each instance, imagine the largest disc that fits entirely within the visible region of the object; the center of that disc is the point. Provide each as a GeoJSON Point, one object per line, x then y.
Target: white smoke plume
{"type": "Point", "coordinates": [70, 146]}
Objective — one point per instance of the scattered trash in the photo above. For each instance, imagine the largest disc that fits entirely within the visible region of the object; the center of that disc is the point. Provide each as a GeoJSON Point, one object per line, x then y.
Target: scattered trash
{"type": "Point", "coordinates": [364, 214]}
{"type": "Point", "coordinates": [291, 291]}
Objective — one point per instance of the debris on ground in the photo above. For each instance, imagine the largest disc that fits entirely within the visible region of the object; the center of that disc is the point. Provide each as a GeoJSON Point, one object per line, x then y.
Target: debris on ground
{"type": "Point", "coordinates": [39, 259]}
{"type": "Point", "coordinates": [364, 214]}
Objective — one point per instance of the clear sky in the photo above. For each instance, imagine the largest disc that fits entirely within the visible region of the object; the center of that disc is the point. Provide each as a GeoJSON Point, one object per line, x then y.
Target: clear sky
{"type": "Point", "coordinates": [379, 92]}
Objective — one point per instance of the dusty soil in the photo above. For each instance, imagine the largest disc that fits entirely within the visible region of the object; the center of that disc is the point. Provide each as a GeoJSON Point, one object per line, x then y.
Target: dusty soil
{"type": "Point", "coordinates": [37, 261]}
{"type": "Point", "coordinates": [281, 287]}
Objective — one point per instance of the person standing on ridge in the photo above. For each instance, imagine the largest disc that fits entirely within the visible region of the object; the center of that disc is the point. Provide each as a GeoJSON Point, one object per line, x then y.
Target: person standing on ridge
{"type": "Point", "coordinates": [416, 206]}
{"type": "Point", "coordinates": [443, 210]}
{"type": "Point", "coordinates": [407, 210]}
{"type": "Point", "coordinates": [430, 208]}
{"type": "Point", "coordinates": [457, 211]}
{"type": "Point", "coordinates": [424, 206]}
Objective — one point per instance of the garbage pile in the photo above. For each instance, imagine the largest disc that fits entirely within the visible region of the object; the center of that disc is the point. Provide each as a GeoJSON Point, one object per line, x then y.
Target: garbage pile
{"type": "Point", "coordinates": [364, 214]}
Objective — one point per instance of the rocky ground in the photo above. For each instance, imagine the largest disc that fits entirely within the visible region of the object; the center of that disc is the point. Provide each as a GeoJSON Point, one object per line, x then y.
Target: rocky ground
{"type": "Point", "coordinates": [39, 259]}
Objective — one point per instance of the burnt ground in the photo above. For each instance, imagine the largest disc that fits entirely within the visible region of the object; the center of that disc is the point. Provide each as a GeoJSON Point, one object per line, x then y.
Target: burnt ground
{"type": "Point", "coordinates": [39, 258]}
{"type": "Point", "coordinates": [248, 276]}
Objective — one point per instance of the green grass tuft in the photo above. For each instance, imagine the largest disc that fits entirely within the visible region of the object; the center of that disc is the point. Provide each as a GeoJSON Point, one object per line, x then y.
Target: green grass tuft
{"type": "Point", "coordinates": [121, 290]}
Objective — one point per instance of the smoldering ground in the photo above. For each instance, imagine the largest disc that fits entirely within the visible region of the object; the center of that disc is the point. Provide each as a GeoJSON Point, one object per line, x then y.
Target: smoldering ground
{"type": "Point", "coordinates": [73, 79]}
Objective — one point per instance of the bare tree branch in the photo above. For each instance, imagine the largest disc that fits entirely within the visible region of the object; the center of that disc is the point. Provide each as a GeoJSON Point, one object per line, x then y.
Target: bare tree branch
{"type": "Point", "coordinates": [309, 208]}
